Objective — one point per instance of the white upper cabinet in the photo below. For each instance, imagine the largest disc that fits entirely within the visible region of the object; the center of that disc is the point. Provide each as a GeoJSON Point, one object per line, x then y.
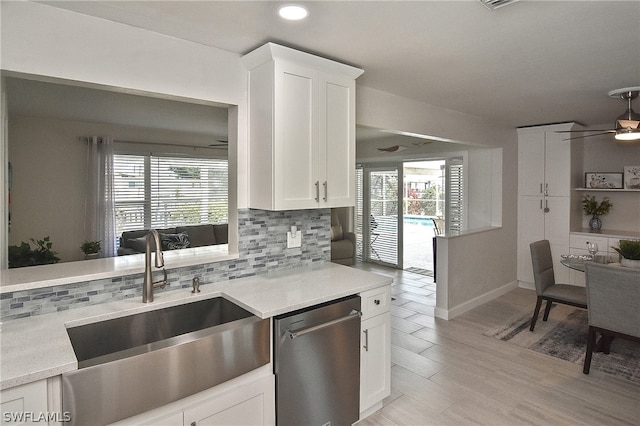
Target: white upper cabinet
{"type": "Point", "coordinates": [544, 162]}
{"type": "Point", "coordinates": [301, 131]}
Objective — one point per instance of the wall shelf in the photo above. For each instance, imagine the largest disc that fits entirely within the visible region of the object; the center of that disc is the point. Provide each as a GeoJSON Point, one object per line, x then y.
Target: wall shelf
{"type": "Point", "coordinates": [606, 190]}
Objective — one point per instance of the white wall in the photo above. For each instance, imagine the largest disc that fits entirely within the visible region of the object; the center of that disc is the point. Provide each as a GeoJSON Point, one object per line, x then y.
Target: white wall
{"type": "Point", "coordinates": [605, 154]}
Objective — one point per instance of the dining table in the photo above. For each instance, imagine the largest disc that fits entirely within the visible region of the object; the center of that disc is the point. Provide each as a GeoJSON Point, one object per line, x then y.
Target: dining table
{"type": "Point", "coordinates": [577, 261]}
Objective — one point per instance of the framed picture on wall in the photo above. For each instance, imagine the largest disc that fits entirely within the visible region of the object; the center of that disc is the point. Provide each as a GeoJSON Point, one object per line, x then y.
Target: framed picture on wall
{"type": "Point", "coordinates": [632, 177]}
{"type": "Point", "coordinates": [599, 180]}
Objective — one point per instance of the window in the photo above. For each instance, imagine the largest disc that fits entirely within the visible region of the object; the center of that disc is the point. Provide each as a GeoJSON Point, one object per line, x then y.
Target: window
{"type": "Point", "coordinates": [155, 191]}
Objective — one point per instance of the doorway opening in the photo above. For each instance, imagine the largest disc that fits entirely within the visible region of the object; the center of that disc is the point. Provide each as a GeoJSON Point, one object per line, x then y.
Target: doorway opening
{"type": "Point", "coordinates": [423, 192]}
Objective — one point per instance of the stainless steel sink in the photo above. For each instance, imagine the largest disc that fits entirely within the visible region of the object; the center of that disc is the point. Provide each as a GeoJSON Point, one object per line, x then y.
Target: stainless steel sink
{"type": "Point", "coordinates": [133, 364]}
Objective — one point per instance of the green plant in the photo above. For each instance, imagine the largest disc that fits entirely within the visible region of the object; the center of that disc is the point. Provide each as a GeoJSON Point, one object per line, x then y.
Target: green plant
{"type": "Point", "coordinates": [592, 207]}
{"type": "Point", "coordinates": [629, 249]}
{"type": "Point", "coordinates": [24, 255]}
{"type": "Point", "coordinates": [89, 247]}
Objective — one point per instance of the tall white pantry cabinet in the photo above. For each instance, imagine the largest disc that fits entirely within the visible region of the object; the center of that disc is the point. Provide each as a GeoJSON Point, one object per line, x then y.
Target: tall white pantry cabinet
{"type": "Point", "coordinates": [301, 131]}
{"type": "Point", "coordinates": [544, 195]}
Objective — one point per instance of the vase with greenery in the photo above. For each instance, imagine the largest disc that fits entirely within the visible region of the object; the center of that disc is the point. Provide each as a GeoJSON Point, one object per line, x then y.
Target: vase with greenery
{"type": "Point", "coordinates": [90, 249]}
{"type": "Point", "coordinates": [24, 255]}
{"type": "Point", "coordinates": [629, 251]}
{"type": "Point", "coordinates": [596, 209]}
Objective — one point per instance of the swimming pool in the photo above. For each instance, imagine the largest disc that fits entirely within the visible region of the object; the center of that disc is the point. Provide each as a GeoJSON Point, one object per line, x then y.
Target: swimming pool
{"type": "Point", "coordinates": [418, 220]}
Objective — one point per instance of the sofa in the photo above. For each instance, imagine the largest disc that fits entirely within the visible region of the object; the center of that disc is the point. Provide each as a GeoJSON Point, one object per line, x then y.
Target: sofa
{"type": "Point", "coordinates": [133, 242]}
{"type": "Point", "coordinates": [343, 244]}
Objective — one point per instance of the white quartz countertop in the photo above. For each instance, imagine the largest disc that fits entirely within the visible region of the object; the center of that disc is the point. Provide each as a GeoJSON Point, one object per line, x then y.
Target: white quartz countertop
{"type": "Point", "coordinates": [38, 347]}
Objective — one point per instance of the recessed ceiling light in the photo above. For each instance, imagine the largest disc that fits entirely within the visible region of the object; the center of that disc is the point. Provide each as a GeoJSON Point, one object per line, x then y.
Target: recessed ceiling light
{"type": "Point", "coordinates": [293, 12]}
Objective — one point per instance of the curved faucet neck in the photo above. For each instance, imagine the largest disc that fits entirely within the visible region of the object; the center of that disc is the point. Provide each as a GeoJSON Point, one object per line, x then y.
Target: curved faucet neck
{"type": "Point", "coordinates": [148, 285]}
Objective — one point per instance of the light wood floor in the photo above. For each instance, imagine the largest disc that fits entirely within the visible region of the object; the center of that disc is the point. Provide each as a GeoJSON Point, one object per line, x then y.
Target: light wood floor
{"type": "Point", "coordinates": [449, 373]}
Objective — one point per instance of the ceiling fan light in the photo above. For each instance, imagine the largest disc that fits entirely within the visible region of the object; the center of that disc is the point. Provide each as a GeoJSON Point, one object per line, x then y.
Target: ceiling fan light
{"type": "Point", "coordinates": [628, 135]}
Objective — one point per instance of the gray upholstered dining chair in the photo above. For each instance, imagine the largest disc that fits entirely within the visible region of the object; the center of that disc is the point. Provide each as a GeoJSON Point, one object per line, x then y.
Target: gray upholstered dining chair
{"type": "Point", "coordinates": [546, 286]}
{"type": "Point", "coordinates": [613, 295]}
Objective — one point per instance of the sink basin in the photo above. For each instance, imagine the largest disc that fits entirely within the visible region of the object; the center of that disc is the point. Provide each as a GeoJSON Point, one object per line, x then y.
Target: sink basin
{"type": "Point", "coordinates": [135, 363]}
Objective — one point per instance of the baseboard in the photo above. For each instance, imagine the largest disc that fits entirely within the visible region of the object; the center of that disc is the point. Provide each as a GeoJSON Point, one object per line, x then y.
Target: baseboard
{"type": "Point", "coordinates": [448, 314]}
{"type": "Point", "coordinates": [527, 285]}
{"type": "Point", "coordinates": [369, 411]}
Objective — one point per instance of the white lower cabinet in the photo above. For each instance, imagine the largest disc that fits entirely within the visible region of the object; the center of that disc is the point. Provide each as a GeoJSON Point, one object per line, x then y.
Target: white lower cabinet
{"type": "Point", "coordinates": [375, 349]}
{"type": "Point", "coordinates": [250, 403]}
{"type": "Point", "coordinates": [606, 243]}
{"type": "Point", "coordinates": [35, 403]}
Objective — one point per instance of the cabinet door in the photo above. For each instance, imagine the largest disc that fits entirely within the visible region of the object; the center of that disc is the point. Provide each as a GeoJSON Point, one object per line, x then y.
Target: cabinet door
{"type": "Point", "coordinates": [21, 403]}
{"type": "Point", "coordinates": [557, 232]}
{"type": "Point", "coordinates": [252, 404]}
{"type": "Point", "coordinates": [557, 165]}
{"type": "Point", "coordinates": [531, 223]}
{"type": "Point", "coordinates": [337, 154]}
{"type": "Point", "coordinates": [531, 163]}
{"type": "Point", "coordinates": [375, 361]}
{"type": "Point", "coordinates": [296, 138]}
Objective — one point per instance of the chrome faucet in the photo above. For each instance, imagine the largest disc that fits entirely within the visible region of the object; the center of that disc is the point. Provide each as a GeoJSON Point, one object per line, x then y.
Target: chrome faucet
{"type": "Point", "coordinates": [149, 285]}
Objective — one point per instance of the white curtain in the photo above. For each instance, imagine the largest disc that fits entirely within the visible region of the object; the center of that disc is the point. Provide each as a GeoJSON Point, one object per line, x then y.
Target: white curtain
{"type": "Point", "coordinates": [100, 222]}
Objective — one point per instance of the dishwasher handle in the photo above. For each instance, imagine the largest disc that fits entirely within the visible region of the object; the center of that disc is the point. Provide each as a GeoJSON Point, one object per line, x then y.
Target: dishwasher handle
{"type": "Point", "coordinates": [293, 334]}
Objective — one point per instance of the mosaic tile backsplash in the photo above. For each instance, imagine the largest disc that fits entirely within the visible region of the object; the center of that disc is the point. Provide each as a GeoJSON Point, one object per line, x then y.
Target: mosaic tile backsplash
{"type": "Point", "coordinates": [262, 247]}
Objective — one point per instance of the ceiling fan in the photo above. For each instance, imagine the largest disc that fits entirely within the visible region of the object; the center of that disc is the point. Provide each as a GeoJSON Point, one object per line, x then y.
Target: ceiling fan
{"type": "Point", "coordinates": [627, 126]}
{"type": "Point", "coordinates": [221, 143]}
{"type": "Point", "coordinates": [396, 148]}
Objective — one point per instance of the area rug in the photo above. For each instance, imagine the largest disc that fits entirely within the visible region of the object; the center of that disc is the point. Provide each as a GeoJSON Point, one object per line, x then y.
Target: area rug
{"type": "Point", "coordinates": [420, 271]}
{"type": "Point", "coordinates": [564, 336]}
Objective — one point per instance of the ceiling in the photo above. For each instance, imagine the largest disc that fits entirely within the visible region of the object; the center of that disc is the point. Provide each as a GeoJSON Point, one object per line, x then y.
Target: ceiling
{"type": "Point", "coordinates": [531, 62]}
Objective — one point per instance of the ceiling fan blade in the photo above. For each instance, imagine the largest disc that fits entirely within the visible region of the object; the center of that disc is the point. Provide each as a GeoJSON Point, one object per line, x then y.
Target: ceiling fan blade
{"type": "Point", "coordinates": [393, 148]}
{"type": "Point", "coordinates": [582, 131]}
{"type": "Point", "coordinates": [588, 136]}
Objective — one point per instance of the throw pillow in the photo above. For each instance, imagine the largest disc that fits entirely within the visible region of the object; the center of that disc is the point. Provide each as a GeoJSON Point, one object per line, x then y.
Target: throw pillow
{"type": "Point", "coordinates": [174, 241]}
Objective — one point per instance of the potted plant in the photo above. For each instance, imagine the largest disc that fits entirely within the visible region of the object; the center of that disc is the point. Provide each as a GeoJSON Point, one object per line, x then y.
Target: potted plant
{"type": "Point", "coordinates": [24, 255]}
{"type": "Point", "coordinates": [90, 249]}
{"type": "Point", "coordinates": [596, 209]}
{"type": "Point", "coordinates": [629, 251]}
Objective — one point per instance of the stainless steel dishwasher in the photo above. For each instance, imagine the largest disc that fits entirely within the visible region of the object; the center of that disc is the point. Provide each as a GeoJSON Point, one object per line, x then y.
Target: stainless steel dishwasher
{"type": "Point", "coordinates": [317, 364]}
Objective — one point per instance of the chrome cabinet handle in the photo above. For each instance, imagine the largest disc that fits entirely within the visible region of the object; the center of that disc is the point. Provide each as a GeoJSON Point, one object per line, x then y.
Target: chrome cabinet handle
{"type": "Point", "coordinates": [317, 191]}
{"type": "Point", "coordinates": [325, 190]}
{"type": "Point", "coordinates": [546, 206]}
{"type": "Point", "coordinates": [366, 340]}
{"type": "Point", "coordinates": [541, 187]}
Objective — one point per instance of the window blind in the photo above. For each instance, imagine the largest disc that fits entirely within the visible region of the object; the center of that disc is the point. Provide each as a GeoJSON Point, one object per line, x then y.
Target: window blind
{"type": "Point", "coordinates": [155, 191]}
{"type": "Point", "coordinates": [455, 195]}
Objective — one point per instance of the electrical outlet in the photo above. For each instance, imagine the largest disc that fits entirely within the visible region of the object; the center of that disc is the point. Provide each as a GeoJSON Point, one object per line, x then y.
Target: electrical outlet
{"type": "Point", "coordinates": [294, 238]}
